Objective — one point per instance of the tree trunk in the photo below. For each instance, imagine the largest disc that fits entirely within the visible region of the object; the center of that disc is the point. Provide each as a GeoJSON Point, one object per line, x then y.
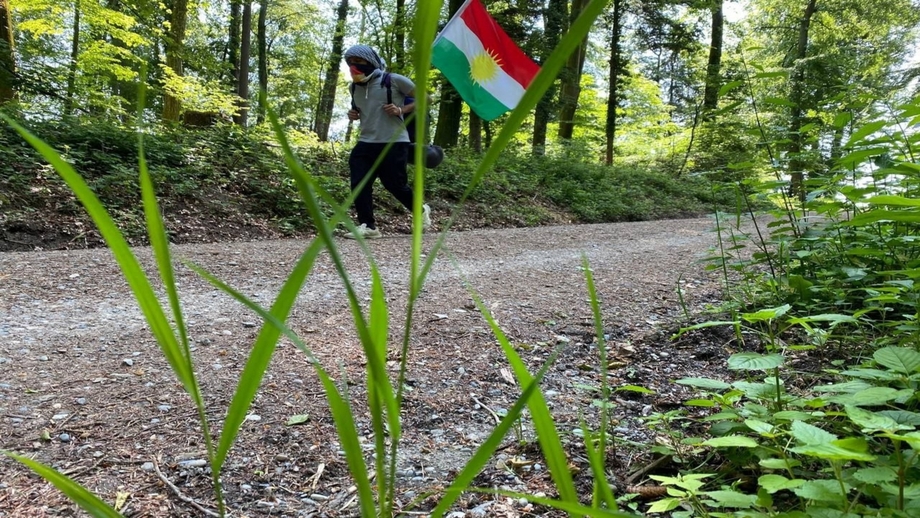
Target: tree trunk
{"type": "Point", "coordinates": [399, 31]}
{"type": "Point", "coordinates": [242, 86]}
{"type": "Point", "coordinates": [797, 79]}
{"type": "Point", "coordinates": [262, 44]}
{"type": "Point", "coordinates": [233, 42]}
{"type": "Point", "coordinates": [714, 67]}
{"type": "Point", "coordinates": [174, 49]}
{"type": "Point", "coordinates": [554, 19]}
{"type": "Point", "coordinates": [450, 107]}
{"type": "Point", "coordinates": [571, 79]}
{"type": "Point", "coordinates": [74, 55]}
{"type": "Point", "coordinates": [615, 78]}
{"type": "Point", "coordinates": [7, 58]}
{"type": "Point", "coordinates": [326, 104]}
{"type": "Point", "coordinates": [475, 132]}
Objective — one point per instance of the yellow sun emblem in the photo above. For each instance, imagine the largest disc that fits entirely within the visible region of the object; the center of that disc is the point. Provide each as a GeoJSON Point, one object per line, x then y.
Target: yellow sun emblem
{"type": "Point", "coordinates": [484, 67]}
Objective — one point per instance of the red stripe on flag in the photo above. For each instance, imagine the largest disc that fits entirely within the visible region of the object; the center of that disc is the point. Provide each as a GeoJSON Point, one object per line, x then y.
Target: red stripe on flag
{"type": "Point", "coordinates": [511, 58]}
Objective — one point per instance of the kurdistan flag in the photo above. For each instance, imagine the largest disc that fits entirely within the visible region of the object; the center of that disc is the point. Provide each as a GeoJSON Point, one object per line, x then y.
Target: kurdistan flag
{"type": "Point", "coordinates": [488, 70]}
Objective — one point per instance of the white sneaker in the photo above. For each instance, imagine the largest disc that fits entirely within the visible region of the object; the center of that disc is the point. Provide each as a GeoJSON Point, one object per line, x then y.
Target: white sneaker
{"type": "Point", "coordinates": [426, 217]}
{"type": "Point", "coordinates": [363, 231]}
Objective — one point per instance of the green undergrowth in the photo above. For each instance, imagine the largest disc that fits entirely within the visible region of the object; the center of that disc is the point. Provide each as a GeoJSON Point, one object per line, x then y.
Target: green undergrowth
{"type": "Point", "coordinates": [225, 172]}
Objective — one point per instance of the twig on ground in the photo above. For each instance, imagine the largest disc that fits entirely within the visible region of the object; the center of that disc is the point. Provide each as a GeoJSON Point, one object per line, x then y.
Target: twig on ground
{"type": "Point", "coordinates": [483, 405]}
{"type": "Point", "coordinates": [179, 494]}
{"type": "Point", "coordinates": [645, 469]}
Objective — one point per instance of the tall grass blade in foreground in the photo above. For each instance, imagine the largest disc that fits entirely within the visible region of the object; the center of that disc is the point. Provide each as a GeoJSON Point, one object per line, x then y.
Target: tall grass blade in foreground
{"type": "Point", "coordinates": [77, 493]}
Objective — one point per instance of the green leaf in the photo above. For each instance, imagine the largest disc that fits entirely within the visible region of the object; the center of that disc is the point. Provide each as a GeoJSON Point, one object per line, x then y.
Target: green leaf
{"type": "Point", "coordinates": [832, 452]}
{"type": "Point", "coordinates": [873, 422]}
{"type": "Point", "coordinates": [875, 216]}
{"type": "Point", "coordinates": [876, 475]}
{"type": "Point", "coordinates": [783, 464]}
{"type": "Point", "coordinates": [848, 387]}
{"type": "Point", "coordinates": [898, 359]}
{"type": "Point", "coordinates": [841, 119]}
{"type": "Point", "coordinates": [864, 131]}
{"type": "Point", "coordinates": [766, 314]}
{"type": "Point", "coordinates": [871, 374]}
{"type": "Point", "coordinates": [809, 434]}
{"type": "Point", "coordinates": [664, 505]}
{"type": "Point", "coordinates": [759, 391]}
{"type": "Point", "coordinates": [75, 492]}
{"type": "Point", "coordinates": [705, 383]}
{"type": "Point", "coordinates": [635, 388]}
{"type": "Point", "coordinates": [728, 87]}
{"type": "Point", "coordinates": [870, 397]}
{"type": "Point", "coordinates": [773, 483]}
{"type": "Point", "coordinates": [903, 417]}
{"type": "Point", "coordinates": [833, 318]}
{"type": "Point", "coordinates": [760, 427]}
{"type": "Point", "coordinates": [898, 201]}
{"type": "Point", "coordinates": [704, 403]}
{"type": "Point", "coordinates": [724, 498]}
{"type": "Point", "coordinates": [821, 491]}
{"type": "Point", "coordinates": [752, 361]}
{"type": "Point", "coordinates": [793, 415]}
{"type": "Point", "coordinates": [731, 441]}
{"type": "Point", "coordinates": [298, 419]}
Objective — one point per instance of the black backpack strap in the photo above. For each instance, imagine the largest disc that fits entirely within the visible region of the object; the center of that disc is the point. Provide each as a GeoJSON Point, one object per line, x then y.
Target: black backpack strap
{"type": "Point", "coordinates": [351, 88]}
{"type": "Point", "coordinates": [387, 82]}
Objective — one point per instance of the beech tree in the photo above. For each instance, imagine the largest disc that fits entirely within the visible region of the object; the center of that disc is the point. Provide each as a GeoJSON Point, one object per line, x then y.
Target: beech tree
{"type": "Point", "coordinates": [7, 59]}
{"type": "Point", "coordinates": [326, 103]}
{"type": "Point", "coordinates": [178, 19]}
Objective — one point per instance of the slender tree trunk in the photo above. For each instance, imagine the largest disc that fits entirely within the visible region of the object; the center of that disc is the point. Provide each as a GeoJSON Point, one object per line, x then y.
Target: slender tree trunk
{"type": "Point", "coordinates": [475, 132]}
{"type": "Point", "coordinates": [571, 81]}
{"type": "Point", "coordinates": [555, 20]}
{"type": "Point", "coordinates": [714, 67]}
{"type": "Point", "coordinates": [262, 44]}
{"type": "Point", "coordinates": [174, 49]}
{"type": "Point", "coordinates": [74, 56]}
{"type": "Point", "coordinates": [233, 42]}
{"type": "Point", "coordinates": [7, 57]}
{"type": "Point", "coordinates": [615, 78]}
{"type": "Point", "coordinates": [487, 130]}
{"type": "Point", "coordinates": [326, 104]}
{"type": "Point", "coordinates": [796, 162]}
{"type": "Point", "coordinates": [450, 109]}
{"type": "Point", "coordinates": [399, 32]}
{"type": "Point", "coordinates": [242, 87]}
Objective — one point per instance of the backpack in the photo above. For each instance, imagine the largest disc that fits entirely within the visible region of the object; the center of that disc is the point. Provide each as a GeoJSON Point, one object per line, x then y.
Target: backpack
{"type": "Point", "coordinates": [433, 154]}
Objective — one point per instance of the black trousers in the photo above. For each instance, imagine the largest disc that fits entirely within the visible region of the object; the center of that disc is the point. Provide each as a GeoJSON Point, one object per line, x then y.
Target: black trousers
{"type": "Point", "coordinates": [391, 171]}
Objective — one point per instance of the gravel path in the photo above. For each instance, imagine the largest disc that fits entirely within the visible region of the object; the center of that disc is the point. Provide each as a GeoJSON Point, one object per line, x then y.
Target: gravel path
{"type": "Point", "coordinates": [78, 366]}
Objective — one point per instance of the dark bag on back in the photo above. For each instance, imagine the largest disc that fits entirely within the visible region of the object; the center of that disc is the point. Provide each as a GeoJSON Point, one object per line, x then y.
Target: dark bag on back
{"type": "Point", "coordinates": [432, 154]}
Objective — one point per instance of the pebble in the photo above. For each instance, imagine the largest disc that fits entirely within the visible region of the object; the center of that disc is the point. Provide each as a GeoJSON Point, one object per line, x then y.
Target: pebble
{"type": "Point", "coordinates": [164, 408]}
{"type": "Point", "coordinates": [42, 358]}
{"type": "Point", "coordinates": [128, 361]}
{"type": "Point", "coordinates": [147, 466]}
{"type": "Point", "coordinates": [194, 463]}
{"type": "Point", "coordinates": [245, 487]}
{"type": "Point", "coordinates": [249, 324]}
{"type": "Point", "coordinates": [81, 400]}
{"type": "Point", "coordinates": [58, 417]}
{"type": "Point", "coordinates": [64, 437]}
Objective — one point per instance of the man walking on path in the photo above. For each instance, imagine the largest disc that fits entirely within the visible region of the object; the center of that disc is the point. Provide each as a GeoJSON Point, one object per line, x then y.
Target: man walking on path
{"type": "Point", "coordinates": [381, 122]}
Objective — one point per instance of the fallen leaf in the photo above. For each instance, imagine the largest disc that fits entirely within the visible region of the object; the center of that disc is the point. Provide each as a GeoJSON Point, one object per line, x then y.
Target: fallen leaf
{"type": "Point", "coordinates": [297, 419]}
{"type": "Point", "coordinates": [121, 498]}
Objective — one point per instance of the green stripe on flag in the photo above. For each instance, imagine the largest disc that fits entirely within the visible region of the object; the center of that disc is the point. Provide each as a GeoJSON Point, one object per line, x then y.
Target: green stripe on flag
{"type": "Point", "coordinates": [455, 66]}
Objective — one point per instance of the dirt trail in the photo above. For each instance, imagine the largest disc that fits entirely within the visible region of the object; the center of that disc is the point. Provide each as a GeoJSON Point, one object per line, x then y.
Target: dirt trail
{"type": "Point", "coordinates": [78, 366]}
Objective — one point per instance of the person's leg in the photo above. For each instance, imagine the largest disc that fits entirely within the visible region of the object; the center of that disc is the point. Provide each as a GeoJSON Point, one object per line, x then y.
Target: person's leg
{"type": "Point", "coordinates": [393, 174]}
{"type": "Point", "coordinates": [360, 162]}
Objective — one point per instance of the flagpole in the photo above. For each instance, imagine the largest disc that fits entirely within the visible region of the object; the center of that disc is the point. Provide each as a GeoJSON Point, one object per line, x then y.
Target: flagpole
{"type": "Point", "coordinates": [452, 20]}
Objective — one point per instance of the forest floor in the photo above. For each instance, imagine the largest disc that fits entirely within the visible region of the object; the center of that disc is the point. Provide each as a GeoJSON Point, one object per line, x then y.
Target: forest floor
{"type": "Point", "coordinates": [84, 387]}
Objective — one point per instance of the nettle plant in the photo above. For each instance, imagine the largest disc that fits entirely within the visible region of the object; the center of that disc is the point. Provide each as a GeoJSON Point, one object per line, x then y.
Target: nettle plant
{"type": "Point", "coordinates": [847, 449]}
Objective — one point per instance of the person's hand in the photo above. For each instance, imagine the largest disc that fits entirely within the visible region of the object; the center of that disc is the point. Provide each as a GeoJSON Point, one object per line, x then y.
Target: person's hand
{"type": "Point", "coordinates": [354, 115]}
{"type": "Point", "coordinates": [393, 110]}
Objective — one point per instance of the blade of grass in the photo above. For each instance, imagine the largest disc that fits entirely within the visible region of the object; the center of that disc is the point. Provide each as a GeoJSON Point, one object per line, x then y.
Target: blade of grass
{"type": "Point", "coordinates": [159, 242]}
{"type": "Point", "coordinates": [305, 184]}
{"type": "Point", "coordinates": [75, 492]}
{"type": "Point", "coordinates": [485, 451]}
{"type": "Point", "coordinates": [342, 414]}
{"type": "Point", "coordinates": [543, 422]}
{"type": "Point", "coordinates": [380, 327]}
{"type": "Point", "coordinates": [596, 454]}
{"type": "Point", "coordinates": [570, 507]}
{"type": "Point", "coordinates": [134, 275]}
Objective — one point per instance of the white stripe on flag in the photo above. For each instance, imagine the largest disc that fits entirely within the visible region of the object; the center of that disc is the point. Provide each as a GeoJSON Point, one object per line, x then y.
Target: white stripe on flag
{"type": "Point", "coordinates": [503, 87]}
